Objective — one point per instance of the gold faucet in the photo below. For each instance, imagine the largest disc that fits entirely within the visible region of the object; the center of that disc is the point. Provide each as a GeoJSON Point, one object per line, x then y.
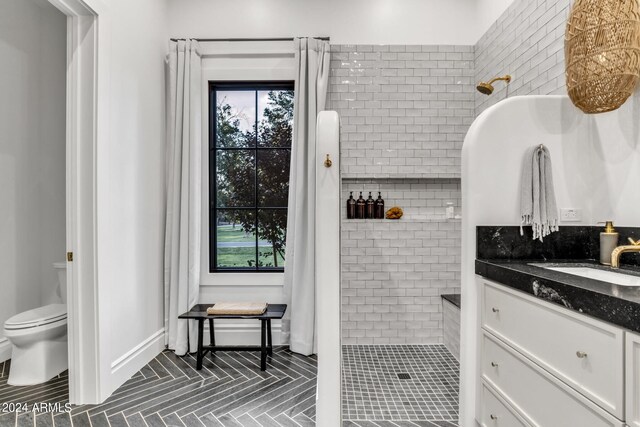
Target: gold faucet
{"type": "Point", "coordinates": [615, 255]}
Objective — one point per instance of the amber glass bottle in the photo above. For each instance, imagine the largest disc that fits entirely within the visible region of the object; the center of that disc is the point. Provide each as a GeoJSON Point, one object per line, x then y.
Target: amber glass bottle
{"type": "Point", "coordinates": [360, 207]}
{"type": "Point", "coordinates": [370, 211]}
{"type": "Point", "coordinates": [351, 206]}
{"type": "Point", "coordinates": [379, 208]}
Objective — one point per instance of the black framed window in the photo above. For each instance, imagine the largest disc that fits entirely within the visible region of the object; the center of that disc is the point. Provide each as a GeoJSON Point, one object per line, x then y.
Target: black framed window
{"type": "Point", "coordinates": [251, 130]}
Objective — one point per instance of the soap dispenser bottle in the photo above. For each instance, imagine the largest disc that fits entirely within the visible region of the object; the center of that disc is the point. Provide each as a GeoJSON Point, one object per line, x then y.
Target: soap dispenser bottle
{"type": "Point", "coordinates": [608, 242]}
{"type": "Point", "coordinates": [360, 207]}
{"type": "Point", "coordinates": [351, 206]}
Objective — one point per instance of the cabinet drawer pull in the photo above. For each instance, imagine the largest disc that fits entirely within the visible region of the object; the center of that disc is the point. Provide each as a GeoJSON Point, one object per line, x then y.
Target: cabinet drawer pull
{"type": "Point", "coordinates": [581, 354]}
{"type": "Point", "coordinates": [495, 310]}
{"type": "Point", "coordinates": [494, 364]}
{"type": "Point", "coordinates": [493, 417]}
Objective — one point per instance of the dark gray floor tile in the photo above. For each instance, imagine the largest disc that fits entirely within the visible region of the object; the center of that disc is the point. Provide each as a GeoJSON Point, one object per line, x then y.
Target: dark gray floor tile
{"type": "Point", "coordinates": [192, 421]}
{"type": "Point", "coordinates": [25, 419]}
{"type": "Point", "coordinates": [100, 420]}
{"type": "Point", "coordinates": [172, 420]}
{"type": "Point", "coordinates": [246, 421]}
{"type": "Point", "coordinates": [251, 393]}
{"type": "Point", "coordinates": [210, 421]}
{"type": "Point", "coordinates": [81, 420]}
{"type": "Point", "coordinates": [118, 420]}
{"type": "Point", "coordinates": [285, 421]}
{"type": "Point", "coordinates": [44, 420]}
{"type": "Point", "coordinates": [304, 421]}
{"type": "Point", "coordinates": [278, 396]}
{"type": "Point", "coordinates": [266, 421]}
{"type": "Point", "coordinates": [154, 420]}
{"type": "Point", "coordinates": [63, 420]}
{"type": "Point", "coordinates": [135, 420]}
{"type": "Point", "coordinates": [228, 421]}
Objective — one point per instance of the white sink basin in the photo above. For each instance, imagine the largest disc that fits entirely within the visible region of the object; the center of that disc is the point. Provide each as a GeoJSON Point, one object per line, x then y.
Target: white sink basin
{"type": "Point", "coordinates": [621, 279]}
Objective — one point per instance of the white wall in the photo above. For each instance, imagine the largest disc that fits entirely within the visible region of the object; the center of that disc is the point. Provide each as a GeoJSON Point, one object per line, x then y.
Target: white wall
{"type": "Point", "coordinates": [487, 13]}
{"type": "Point", "coordinates": [130, 188]}
{"type": "Point", "coordinates": [32, 154]}
{"type": "Point", "coordinates": [346, 22]}
{"type": "Point", "coordinates": [615, 150]}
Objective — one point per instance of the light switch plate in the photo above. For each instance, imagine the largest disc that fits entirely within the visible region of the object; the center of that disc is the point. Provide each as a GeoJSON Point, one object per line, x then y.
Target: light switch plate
{"type": "Point", "coordinates": [570, 215]}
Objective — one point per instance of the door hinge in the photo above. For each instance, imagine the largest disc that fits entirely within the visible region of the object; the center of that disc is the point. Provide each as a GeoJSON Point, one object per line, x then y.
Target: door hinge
{"type": "Point", "coordinates": [70, 256]}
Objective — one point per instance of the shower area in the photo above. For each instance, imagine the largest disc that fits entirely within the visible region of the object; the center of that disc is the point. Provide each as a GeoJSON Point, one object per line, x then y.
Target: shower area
{"type": "Point", "coordinates": [404, 112]}
{"type": "Point", "coordinates": [400, 307]}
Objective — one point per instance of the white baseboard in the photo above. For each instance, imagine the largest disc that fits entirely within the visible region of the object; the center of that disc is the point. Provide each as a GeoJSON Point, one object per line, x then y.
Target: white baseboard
{"type": "Point", "coordinates": [230, 332]}
{"type": "Point", "coordinates": [5, 349]}
{"type": "Point", "coordinates": [132, 361]}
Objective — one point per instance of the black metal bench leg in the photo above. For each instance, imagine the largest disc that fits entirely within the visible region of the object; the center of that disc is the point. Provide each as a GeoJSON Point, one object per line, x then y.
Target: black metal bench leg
{"type": "Point", "coordinates": [269, 340]}
{"type": "Point", "coordinates": [263, 345]}
{"type": "Point", "coordinates": [200, 337]}
{"type": "Point", "coordinates": [212, 335]}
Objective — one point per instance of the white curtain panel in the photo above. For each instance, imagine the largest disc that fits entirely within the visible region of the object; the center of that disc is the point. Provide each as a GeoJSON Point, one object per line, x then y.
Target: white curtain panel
{"type": "Point", "coordinates": [299, 327]}
{"type": "Point", "coordinates": [183, 215]}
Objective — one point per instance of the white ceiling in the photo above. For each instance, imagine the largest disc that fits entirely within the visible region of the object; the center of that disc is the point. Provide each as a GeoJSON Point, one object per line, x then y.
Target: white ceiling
{"type": "Point", "coordinates": [345, 21]}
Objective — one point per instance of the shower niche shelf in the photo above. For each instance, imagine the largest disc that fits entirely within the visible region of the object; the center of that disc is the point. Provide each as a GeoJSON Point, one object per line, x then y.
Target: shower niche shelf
{"type": "Point", "coordinates": [395, 177]}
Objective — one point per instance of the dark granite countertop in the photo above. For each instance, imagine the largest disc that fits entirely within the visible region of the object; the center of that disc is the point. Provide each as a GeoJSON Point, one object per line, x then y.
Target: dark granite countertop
{"type": "Point", "coordinates": [452, 298]}
{"type": "Point", "coordinates": [612, 303]}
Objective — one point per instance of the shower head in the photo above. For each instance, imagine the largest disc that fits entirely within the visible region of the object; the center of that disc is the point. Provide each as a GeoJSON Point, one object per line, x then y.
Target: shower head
{"type": "Point", "coordinates": [486, 88]}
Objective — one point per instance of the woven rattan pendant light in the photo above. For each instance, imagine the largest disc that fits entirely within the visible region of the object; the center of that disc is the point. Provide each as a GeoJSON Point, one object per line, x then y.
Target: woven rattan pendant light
{"type": "Point", "coordinates": [602, 53]}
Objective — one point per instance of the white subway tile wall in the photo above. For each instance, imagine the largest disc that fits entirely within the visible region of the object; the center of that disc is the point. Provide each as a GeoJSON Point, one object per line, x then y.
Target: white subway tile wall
{"type": "Point", "coordinates": [527, 41]}
{"type": "Point", "coordinates": [394, 271]}
{"type": "Point", "coordinates": [404, 110]}
{"type": "Point", "coordinates": [451, 328]}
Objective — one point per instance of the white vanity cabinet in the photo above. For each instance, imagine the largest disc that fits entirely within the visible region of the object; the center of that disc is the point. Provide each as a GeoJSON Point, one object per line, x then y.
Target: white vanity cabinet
{"type": "Point", "coordinates": [633, 379]}
{"type": "Point", "coordinates": [550, 365]}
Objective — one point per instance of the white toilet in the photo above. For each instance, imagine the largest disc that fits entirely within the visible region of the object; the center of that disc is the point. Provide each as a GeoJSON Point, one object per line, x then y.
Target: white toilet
{"type": "Point", "coordinates": [39, 339]}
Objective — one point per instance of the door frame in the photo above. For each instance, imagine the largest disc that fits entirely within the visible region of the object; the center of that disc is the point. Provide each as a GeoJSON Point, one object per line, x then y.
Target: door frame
{"type": "Point", "coordinates": [87, 24]}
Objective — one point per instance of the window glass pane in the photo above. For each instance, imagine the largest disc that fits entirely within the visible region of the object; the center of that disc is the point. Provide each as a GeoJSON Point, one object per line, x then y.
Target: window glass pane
{"type": "Point", "coordinates": [273, 177]}
{"type": "Point", "coordinates": [252, 141]}
{"type": "Point", "coordinates": [272, 231]}
{"type": "Point", "coordinates": [275, 118]}
{"type": "Point", "coordinates": [235, 118]}
{"type": "Point", "coordinates": [235, 178]}
{"type": "Point", "coordinates": [235, 239]}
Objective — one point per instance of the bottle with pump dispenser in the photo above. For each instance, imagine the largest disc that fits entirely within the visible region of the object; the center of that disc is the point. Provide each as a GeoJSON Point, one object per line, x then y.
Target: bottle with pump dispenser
{"type": "Point", "coordinates": [370, 211]}
{"type": "Point", "coordinates": [608, 242]}
{"type": "Point", "coordinates": [351, 206]}
{"type": "Point", "coordinates": [379, 207]}
{"type": "Point", "coordinates": [361, 205]}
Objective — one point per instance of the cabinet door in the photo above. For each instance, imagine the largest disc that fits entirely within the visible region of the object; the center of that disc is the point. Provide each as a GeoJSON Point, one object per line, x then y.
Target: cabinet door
{"type": "Point", "coordinates": [495, 412]}
{"type": "Point", "coordinates": [633, 380]}
{"type": "Point", "coordinates": [585, 353]}
{"type": "Point", "coordinates": [540, 397]}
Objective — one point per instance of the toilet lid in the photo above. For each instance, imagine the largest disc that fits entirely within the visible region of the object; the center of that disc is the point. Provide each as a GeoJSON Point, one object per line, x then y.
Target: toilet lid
{"type": "Point", "coordinates": [37, 317]}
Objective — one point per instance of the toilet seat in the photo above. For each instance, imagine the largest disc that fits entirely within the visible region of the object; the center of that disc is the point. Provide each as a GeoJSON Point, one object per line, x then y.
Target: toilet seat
{"type": "Point", "coordinates": [37, 317]}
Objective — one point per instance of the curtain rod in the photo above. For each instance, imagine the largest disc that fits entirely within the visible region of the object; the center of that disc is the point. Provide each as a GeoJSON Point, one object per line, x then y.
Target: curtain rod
{"type": "Point", "coordinates": [282, 39]}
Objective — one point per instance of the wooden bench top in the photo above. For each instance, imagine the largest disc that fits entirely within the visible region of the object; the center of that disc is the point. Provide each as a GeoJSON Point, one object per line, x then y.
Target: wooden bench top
{"type": "Point", "coordinates": [199, 311]}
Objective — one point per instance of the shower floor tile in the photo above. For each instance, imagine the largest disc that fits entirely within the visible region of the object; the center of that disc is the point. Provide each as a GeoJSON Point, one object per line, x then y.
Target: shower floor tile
{"type": "Point", "coordinates": [399, 383]}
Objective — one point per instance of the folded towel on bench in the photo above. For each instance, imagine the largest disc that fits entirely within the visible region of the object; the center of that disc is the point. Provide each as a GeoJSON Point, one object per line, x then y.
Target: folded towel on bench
{"type": "Point", "coordinates": [239, 308]}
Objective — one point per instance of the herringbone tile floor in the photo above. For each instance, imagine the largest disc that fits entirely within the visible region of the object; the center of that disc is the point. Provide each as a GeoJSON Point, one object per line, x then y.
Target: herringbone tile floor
{"type": "Point", "coordinates": [230, 391]}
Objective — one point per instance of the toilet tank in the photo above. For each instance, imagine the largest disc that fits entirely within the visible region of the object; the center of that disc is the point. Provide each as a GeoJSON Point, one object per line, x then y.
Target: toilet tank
{"type": "Point", "coordinates": [61, 268]}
